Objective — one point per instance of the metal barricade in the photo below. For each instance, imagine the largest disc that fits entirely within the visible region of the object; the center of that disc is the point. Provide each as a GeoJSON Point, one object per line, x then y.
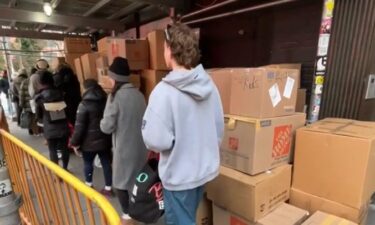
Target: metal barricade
{"type": "Point", "coordinates": [50, 194]}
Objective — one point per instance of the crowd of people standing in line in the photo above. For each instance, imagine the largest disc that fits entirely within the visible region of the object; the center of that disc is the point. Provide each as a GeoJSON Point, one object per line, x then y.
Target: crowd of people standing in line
{"type": "Point", "coordinates": [183, 122]}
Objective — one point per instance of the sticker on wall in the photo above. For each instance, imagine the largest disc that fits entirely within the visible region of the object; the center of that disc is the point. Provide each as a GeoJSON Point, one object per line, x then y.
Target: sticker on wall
{"type": "Point", "coordinates": [325, 27]}
{"type": "Point", "coordinates": [318, 89]}
{"type": "Point", "coordinates": [289, 87]}
{"type": "Point", "coordinates": [319, 80]}
{"type": "Point", "coordinates": [275, 95]}
{"type": "Point", "coordinates": [321, 63]}
{"type": "Point", "coordinates": [323, 44]}
{"type": "Point", "coordinates": [328, 8]}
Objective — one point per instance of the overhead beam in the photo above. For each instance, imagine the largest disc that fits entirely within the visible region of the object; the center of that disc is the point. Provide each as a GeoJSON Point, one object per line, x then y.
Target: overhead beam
{"type": "Point", "coordinates": [127, 10]}
{"type": "Point", "coordinates": [55, 3]}
{"type": "Point", "coordinates": [12, 3]}
{"type": "Point", "coordinates": [169, 3]}
{"type": "Point", "coordinates": [41, 27]}
{"type": "Point", "coordinates": [13, 23]}
{"type": "Point", "coordinates": [96, 7]}
{"type": "Point", "coordinates": [56, 19]}
{"type": "Point", "coordinates": [31, 34]}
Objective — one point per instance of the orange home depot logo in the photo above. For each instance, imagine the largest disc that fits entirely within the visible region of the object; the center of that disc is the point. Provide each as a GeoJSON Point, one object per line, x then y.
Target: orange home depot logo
{"type": "Point", "coordinates": [235, 221]}
{"type": "Point", "coordinates": [282, 141]}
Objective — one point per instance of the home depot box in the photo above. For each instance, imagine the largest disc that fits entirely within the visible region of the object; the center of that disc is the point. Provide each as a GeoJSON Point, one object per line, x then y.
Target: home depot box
{"type": "Point", "coordinates": [250, 197]}
{"type": "Point", "coordinates": [222, 80]}
{"type": "Point", "coordinates": [285, 214]}
{"type": "Point", "coordinates": [301, 100]}
{"type": "Point", "coordinates": [89, 65]}
{"type": "Point", "coordinates": [314, 203]}
{"type": "Point", "coordinates": [156, 41]}
{"type": "Point", "coordinates": [204, 212]}
{"type": "Point", "coordinates": [263, 92]}
{"type": "Point", "coordinates": [149, 80]}
{"type": "Point", "coordinates": [320, 218]}
{"type": "Point", "coordinates": [70, 59]}
{"type": "Point", "coordinates": [335, 160]}
{"type": "Point", "coordinates": [256, 145]}
{"type": "Point", "coordinates": [77, 45]}
{"type": "Point", "coordinates": [135, 51]}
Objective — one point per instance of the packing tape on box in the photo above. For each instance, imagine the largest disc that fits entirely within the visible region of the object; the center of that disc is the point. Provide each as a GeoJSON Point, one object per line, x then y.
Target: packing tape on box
{"type": "Point", "coordinates": [231, 120]}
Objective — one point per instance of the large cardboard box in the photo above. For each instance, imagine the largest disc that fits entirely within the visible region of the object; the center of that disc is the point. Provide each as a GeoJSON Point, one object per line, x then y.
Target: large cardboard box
{"type": "Point", "coordinates": [253, 145]}
{"type": "Point", "coordinates": [77, 45]}
{"type": "Point", "coordinates": [263, 92]}
{"type": "Point", "coordinates": [70, 59]}
{"type": "Point", "coordinates": [156, 41]}
{"type": "Point", "coordinates": [222, 80]}
{"type": "Point", "coordinates": [102, 62]}
{"type": "Point", "coordinates": [89, 65]}
{"type": "Point", "coordinates": [103, 45]}
{"type": "Point", "coordinates": [321, 218]}
{"type": "Point", "coordinates": [79, 70]}
{"type": "Point", "coordinates": [204, 212]}
{"type": "Point", "coordinates": [250, 197]}
{"type": "Point", "coordinates": [135, 51]}
{"type": "Point", "coordinates": [149, 80]}
{"type": "Point", "coordinates": [335, 160]}
{"type": "Point", "coordinates": [285, 214]}
{"type": "Point", "coordinates": [301, 100]}
{"type": "Point", "coordinates": [314, 203]}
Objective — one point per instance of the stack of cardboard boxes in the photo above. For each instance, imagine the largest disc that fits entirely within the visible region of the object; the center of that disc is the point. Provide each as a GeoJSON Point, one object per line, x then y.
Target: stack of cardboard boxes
{"type": "Point", "coordinates": [260, 120]}
{"type": "Point", "coordinates": [75, 48]}
{"type": "Point", "coordinates": [334, 168]}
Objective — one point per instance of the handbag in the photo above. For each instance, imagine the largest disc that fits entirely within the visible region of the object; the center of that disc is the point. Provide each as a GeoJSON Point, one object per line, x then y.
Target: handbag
{"type": "Point", "coordinates": [146, 200]}
{"type": "Point", "coordinates": [25, 120]}
{"type": "Point", "coordinates": [56, 111]}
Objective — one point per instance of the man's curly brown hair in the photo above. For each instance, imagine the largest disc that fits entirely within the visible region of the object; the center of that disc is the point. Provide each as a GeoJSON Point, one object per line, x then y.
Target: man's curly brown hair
{"type": "Point", "coordinates": [184, 45]}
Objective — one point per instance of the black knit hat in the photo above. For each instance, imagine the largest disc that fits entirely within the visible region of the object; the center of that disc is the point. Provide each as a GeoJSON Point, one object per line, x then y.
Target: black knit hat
{"type": "Point", "coordinates": [119, 70]}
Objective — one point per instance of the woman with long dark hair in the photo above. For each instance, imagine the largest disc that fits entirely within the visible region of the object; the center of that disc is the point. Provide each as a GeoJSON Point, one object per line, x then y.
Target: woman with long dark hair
{"type": "Point", "coordinates": [123, 119]}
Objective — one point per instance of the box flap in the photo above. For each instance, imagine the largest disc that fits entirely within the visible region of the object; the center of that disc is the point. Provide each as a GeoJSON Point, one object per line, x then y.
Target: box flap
{"type": "Point", "coordinates": [285, 214]}
{"type": "Point", "coordinates": [251, 180]}
{"type": "Point", "coordinates": [344, 127]}
{"type": "Point", "coordinates": [321, 218]}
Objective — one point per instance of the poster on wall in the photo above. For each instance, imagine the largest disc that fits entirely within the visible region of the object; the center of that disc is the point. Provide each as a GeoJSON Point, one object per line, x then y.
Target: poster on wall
{"type": "Point", "coordinates": [321, 61]}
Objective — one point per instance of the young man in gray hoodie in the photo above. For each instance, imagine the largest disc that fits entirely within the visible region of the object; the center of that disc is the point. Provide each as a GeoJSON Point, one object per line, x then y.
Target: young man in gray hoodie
{"type": "Point", "coordinates": [184, 122]}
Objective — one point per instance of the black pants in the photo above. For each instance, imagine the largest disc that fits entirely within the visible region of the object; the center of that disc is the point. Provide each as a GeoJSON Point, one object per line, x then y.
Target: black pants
{"type": "Point", "coordinates": [105, 159]}
{"type": "Point", "coordinates": [61, 144]}
{"type": "Point", "coordinates": [123, 197]}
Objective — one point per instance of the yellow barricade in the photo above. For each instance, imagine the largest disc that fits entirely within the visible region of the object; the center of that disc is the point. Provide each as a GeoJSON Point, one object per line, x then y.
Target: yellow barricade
{"type": "Point", "coordinates": [50, 194]}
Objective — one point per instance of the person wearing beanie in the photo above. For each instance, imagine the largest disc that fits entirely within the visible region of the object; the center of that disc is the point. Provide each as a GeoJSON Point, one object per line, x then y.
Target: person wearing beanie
{"type": "Point", "coordinates": [16, 90]}
{"type": "Point", "coordinates": [89, 138]}
{"type": "Point", "coordinates": [52, 118]}
{"type": "Point", "coordinates": [184, 121]}
{"type": "Point", "coordinates": [123, 119]}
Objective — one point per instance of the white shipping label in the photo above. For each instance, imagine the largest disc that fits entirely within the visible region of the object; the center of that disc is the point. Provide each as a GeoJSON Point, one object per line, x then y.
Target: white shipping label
{"type": "Point", "coordinates": [5, 188]}
{"type": "Point", "coordinates": [289, 87]}
{"type": "Point", "coordinates": [275, 95]}
{"type": "Point", "coordinates": [135, 190]}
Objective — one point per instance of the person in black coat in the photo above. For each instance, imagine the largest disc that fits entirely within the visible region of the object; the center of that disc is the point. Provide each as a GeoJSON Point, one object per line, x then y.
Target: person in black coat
{"type": "Point", "coordinates": [68, 83]}
{"type": "Point", "coordinates": [88, 136]}
{"type": "Point", "coordinates": [54, 122]}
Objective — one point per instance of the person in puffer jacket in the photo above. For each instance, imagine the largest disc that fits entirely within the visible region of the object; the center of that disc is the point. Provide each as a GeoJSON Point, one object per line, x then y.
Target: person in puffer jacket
{"type": "Point", "coordinates": [89, 138]}
{"type": "Point", "coordinates": [55, 124]}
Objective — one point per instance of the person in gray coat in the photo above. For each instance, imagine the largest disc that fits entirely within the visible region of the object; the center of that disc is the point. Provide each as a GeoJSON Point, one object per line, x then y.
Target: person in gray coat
{"type": "Point", "coordinates": [122, 118]}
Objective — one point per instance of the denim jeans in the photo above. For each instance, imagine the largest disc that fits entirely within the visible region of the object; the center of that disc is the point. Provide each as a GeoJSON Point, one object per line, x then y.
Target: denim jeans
{"type": "Point", "coordinates": [181, 206]}
{"type": "Point", "coordinates": [105, 159]}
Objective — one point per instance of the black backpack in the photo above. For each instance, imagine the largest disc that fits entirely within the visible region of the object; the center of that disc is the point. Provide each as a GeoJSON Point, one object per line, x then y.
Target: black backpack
{"type": "Point", "coordinates": [146, 199]}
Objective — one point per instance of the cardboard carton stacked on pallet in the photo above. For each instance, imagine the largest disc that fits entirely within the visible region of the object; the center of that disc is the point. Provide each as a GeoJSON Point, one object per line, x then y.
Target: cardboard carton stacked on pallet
{"type": "Point", "coordinates": [75, 48]}
{"type": "Point", "coordinates": [260, 120]}
{"type": "Point", "coordinates": [334, 168]}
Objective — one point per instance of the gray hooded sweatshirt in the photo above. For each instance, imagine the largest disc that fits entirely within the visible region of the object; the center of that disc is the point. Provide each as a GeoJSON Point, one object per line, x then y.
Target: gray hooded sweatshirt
{"type": "Point", "coordinates": [184, 121]}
